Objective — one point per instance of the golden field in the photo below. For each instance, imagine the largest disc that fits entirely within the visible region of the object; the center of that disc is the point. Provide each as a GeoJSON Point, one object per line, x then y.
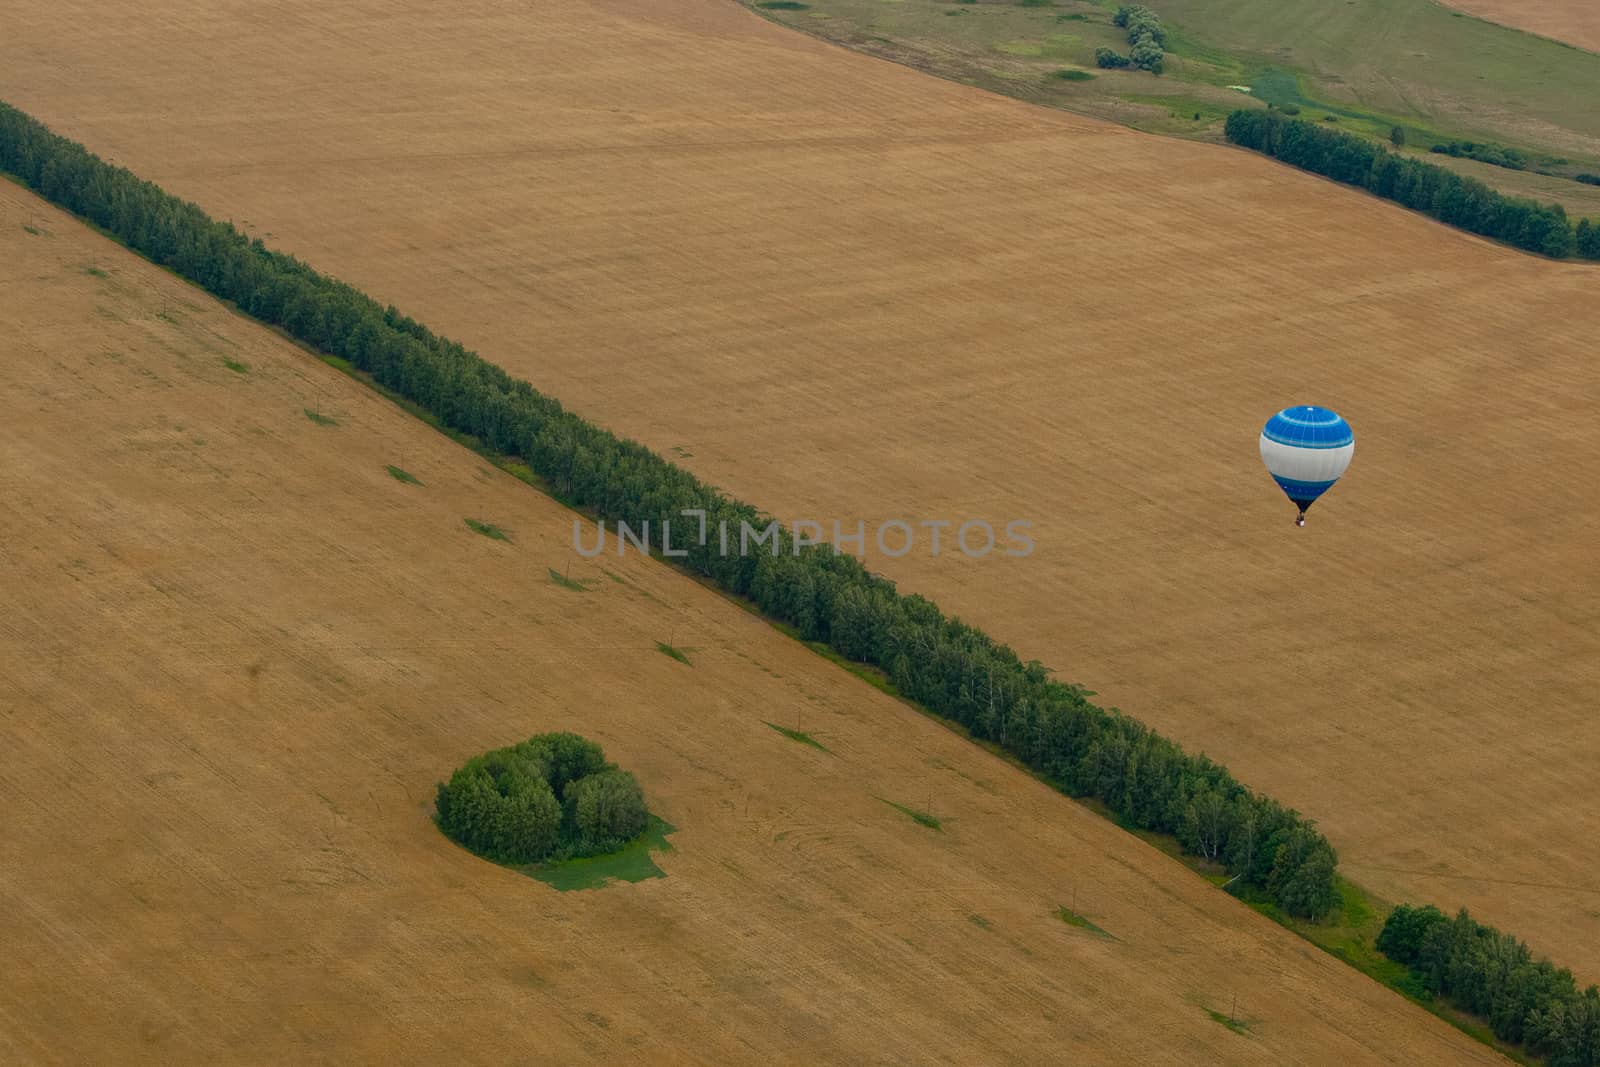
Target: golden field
{"type": "Point", "coordinates": [236, 654]}
{"type": "Point", "coordinates": [839, 288]}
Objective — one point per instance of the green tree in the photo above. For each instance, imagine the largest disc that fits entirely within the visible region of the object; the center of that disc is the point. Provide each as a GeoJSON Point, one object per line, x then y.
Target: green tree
{"type": "Point", "coordinates": [607, 810]}
{"type": "Point", "coordinates": [1404, 930]}
{"type": "Point", "coordinates": [1147, 55]}
{"type": "Point", "coordinates": [1397, 136]}
{"type": "Point", "coordinates": [1302, 874]}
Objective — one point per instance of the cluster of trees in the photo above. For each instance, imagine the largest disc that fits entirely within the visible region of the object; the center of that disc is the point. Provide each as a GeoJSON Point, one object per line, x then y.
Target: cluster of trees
{"type": "Point", "coordinates": [1589, 179]}
{"type": "Point", "coordinates": [1437, 191]}
{"type": "Point", "coordinates": [1145, 36]}
{"type": "Point", "coordinates": [554, 796]}
{"type": "Point", "coordinates": [1498, 155]}
{"type": "Point", "coordinates": [955, 670]}
{"type": "Point", "coordinates": [1526, 1001]}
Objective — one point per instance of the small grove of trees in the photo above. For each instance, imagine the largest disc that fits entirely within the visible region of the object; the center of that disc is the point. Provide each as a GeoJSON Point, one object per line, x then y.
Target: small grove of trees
{"type": "Point", "coordinates": [1146, 38]}
{"type": "Point", "coordinates": [1491, 974]}
{"type": "Point", "coordinates": [1437, 191]}
{"type": "Point", "coordinates": [1498, 155]}
{"type": "Point", "coordinates": [955, 670]}
{"type": "Point", "coordinates": [553, 796]}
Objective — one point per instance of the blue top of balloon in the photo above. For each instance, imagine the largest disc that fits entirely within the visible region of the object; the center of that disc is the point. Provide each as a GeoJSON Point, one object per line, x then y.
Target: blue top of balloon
{"type": "Point", "coordinates": [1308, 426]}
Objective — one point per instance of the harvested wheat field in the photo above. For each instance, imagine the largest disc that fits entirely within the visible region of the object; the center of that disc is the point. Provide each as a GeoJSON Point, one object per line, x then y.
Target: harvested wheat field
{"type": "Point", "coordinates": [839, 288]}
{"type": "Point", "coordinates": [1576, 22]}
{"type": "Point", "coordinates": [236, 654]}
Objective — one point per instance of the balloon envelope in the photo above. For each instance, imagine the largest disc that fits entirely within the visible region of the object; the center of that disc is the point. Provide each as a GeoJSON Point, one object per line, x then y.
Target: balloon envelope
{"type": "Point", "coordinates": [1306, 449]}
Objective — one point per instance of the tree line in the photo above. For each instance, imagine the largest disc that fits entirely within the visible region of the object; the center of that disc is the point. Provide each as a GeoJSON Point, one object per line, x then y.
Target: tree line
{"type": "Point", "coordinates": [552, 797]}
{"type": "Point", "coordinates": [1147, 781]}
{"type": "Point", "coordinates": [1525, 1001]}
{"type": "Point", "coordinates": [1434, 190]}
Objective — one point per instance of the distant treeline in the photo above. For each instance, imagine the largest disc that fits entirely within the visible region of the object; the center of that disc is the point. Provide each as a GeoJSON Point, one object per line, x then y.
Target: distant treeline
{"type": "Point", "coordinates": [1147, 781]}
{"type": "Point", "coordinates": [1493, 975]}
{"type": "Point", "coordinates": [1426, 187]}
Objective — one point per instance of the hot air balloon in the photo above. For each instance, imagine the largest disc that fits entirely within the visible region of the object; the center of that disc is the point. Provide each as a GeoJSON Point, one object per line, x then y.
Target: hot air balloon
{"type": "Point", "coordinates": [1306, 449]}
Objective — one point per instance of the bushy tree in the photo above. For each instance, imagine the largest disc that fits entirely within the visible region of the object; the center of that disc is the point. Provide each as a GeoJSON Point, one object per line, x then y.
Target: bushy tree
{"type": "Point", "coordinates": [1302, 881]}
{"type": "Point", "coordinates": [1587, 239]}
{"type": "Point", "coordinates": [1147, 55]}
{"type": "Point", "coordinates": [1109, 57]}
{"type": "Point", "coordinates": [606, 811]}
{"type": "Point", "coordinates": [567, 757]}
{"type": "Point", "coordinates": [1397, 136]}
{"type": "Point", "coordinates": [1403, 932]}
{"type": "Point", "coordinates": [499, 806]}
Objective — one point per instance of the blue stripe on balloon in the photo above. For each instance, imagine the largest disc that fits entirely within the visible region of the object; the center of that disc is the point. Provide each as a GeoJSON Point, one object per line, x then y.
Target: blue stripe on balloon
{"type": "Point", "coordinates": [1302, 490]}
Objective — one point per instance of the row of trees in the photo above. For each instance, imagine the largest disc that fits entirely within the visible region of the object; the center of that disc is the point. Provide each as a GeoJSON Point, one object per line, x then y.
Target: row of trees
{"type": "Point", "coordinates": [1526, 1001]}
{"type": "Point", "coordinates": [1426, 187]}
{"type": "Point", "coordinates": [953, 669]}
{"type": "Point", "coordinates": [503, 804]}
{"type": "Point", "coordinates": [1145, 36]}
{"type": "Point", "coordinates": [1498, 155]}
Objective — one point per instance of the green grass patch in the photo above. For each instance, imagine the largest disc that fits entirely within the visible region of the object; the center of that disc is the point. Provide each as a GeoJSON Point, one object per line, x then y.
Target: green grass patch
{"type": "Point", "coordinates": [235, 366]}
{"type": "Point", "coordinates": [31, 230]}
{"type": "Point", "coordinates": [1073, 75]}
{"type": "Point", "coordinates": [564, 582]}
{"type": "Point", "coordinates": [920, 817]}
{"type": "Point", "coordinates": [633, 863]}
{"type": "Point", "coordinates": [980, 922]}
{"type": "Point", "coordinates": [799, 735]}
{"type": "Point", "coordinates": [1072, 918]}
{"type": "Point", "coordinates": [676, 653]}
{"type": "Point", "coordinates": [320, 419]}
{"type": "Point", "coordinates": [487, 529]}
{"type": "Point", "coordinates": [1442, 78]}
{"type": "Point", "coordinates": [400, 475]}
{"type": "Point", "coordinates": [95, 272]}
{"type": "Point", "coordinates": [1238, 1026]}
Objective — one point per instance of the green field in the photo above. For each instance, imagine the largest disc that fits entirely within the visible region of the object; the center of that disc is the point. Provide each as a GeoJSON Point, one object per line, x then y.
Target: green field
{"type": "Point", "coordinates": [1367, 65]}
{"type": "Point", "coordinates": [1411, 59]}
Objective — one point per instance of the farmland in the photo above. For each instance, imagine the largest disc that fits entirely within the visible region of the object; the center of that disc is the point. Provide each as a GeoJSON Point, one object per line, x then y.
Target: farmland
{"type": "Point", "coordinates": [1368, 65]}
{"type": "Point", "coordinates": [1576, 22]}
{"type": "Point", "coordinates": [238, 651]}
{"type": "Point", "coordinates": [842, 289]}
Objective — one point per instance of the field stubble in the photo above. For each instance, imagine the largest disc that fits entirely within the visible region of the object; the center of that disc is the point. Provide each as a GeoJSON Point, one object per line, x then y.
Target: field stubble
{"type": "Point", "coordinates": [851, 290]}
{"type": "Point", "coordinates": [237, 653]}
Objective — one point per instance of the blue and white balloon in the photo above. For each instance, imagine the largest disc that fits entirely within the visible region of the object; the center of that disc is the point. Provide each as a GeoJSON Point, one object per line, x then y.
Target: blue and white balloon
{"type": "Point", "coordinates": [1306, 449]}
